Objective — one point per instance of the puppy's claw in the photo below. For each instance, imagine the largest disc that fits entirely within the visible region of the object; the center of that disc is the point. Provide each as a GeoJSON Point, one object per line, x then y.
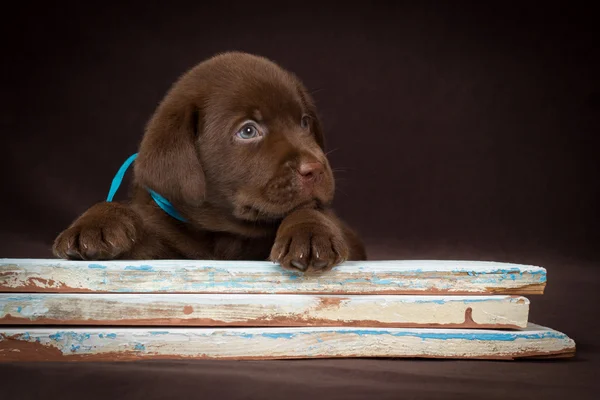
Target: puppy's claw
{"type": "Point", "coordinates": [106, 231]}
{"type": "Point", "coordinates": [301, 266]}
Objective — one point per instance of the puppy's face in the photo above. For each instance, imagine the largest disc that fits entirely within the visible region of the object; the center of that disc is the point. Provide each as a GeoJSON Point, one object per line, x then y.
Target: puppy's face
{"type": "Point", "coordinates": [256, 140]}
{"type": "Point", "coordinates": [260, 147]}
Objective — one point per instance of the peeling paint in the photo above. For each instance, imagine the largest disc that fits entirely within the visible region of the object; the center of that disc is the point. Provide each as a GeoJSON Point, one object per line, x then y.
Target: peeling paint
{"type": "Point", "coordinates": [497, 311]}
{"type": "Point", "coordinates": [82, 344]}
{"type": "Point", "coordinates": [202, 276]}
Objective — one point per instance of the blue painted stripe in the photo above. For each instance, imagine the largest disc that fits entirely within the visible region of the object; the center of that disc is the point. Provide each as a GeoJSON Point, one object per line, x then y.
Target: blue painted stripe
{"type": "Point", "coordinates": [426, 334]}
{"type": "Point", "coordinates": [139, 268]}
{"type": "Point", "coordinates": [79, 338]}
{"type": "Point", "coordinates": [62, 335]}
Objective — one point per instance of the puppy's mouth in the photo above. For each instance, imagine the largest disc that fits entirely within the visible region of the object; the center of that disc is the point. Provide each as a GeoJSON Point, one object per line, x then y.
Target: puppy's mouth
{"type": "Point", "coordinates": [282, 195]}
{"type": "Point", "coordinates": [257, 213]}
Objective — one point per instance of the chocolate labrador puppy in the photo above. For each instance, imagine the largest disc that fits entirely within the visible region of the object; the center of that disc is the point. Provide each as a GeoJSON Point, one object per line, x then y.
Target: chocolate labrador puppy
{"type": "Point", "coordinates": [231, 166]}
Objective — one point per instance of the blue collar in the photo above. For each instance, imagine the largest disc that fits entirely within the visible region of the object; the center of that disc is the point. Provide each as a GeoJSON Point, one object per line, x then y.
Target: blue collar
{"type": "Point", "coordinates": [158, 199]}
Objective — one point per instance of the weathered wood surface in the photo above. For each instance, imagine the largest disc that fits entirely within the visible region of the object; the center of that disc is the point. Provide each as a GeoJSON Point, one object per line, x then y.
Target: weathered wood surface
{"type": "Point", "coordinates": [200, 276]}
{"type": "Point", "coordinates": [264, 310]}
{"type": "Point", "coordinates": [115, 344]}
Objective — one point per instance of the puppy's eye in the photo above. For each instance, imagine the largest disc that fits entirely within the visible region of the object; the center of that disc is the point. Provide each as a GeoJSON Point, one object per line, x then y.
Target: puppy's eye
{"type": "Point", "coordinates": [248, 131]}
{"type": "Point", "coordinates": [305, 122]}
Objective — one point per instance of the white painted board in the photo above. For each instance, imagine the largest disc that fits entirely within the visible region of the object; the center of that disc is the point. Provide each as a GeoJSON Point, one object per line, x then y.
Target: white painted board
{"type": "Point", "coordinates": [473, 311]}
{"type": "Point", "coordinates": [114, 344]}
{"type": "Point", "coordinates": [203, 276]}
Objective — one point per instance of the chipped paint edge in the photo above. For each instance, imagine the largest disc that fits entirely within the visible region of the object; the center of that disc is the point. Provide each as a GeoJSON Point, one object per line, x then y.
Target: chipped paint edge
{"type": "Point", "coordinates": [266, 266]}
{"type": "Point", "coordinates": [130, 344]}
{"type": "Point", "coordinates": [200, 276]}
{"type": "Point", "coordinates": [264, 310]}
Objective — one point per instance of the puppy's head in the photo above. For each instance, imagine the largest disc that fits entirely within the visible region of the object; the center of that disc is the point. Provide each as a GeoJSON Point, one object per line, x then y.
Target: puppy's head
{"type": "Point", "coordinates": [239, 132]}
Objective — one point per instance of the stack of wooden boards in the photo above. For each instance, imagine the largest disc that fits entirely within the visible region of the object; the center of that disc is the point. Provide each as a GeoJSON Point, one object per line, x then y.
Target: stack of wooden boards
{"type": "Point", "coordinates": [57, 310]}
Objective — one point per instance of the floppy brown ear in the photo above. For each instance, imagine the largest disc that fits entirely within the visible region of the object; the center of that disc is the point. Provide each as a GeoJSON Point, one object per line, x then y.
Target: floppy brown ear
{"type": "Point", "coordinates": [168, 161]}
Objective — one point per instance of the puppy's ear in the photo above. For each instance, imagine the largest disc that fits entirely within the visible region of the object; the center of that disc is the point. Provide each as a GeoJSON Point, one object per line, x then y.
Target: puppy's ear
{"type": "Point", "coordinates": [168, 160]}
{"type": "Point", "coordinates": [317, 126]}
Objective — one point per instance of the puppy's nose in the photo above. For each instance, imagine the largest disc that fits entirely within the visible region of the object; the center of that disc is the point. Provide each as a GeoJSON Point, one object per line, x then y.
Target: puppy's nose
{"type": "Point", "coordinates": [310, 171]}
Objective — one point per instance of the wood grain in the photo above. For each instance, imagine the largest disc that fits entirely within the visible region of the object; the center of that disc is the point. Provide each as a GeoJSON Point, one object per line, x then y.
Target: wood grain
{"type": "Point", "coordinates": [126, 344]}
{"type": "Point", "coordinates": [264, 310]}
{"type": "Point", "coordinates": [200, 276]}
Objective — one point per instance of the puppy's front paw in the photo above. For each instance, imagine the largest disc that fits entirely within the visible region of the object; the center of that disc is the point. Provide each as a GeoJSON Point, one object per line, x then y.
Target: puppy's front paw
{"type": "Point", "coordinates": [105, 231]}
{"type": "Point", "coordinates": [309, 248]}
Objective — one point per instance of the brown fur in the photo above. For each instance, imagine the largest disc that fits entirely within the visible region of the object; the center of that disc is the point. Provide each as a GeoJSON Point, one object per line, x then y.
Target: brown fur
{"type": "Point", "coordinates": [243, 199]}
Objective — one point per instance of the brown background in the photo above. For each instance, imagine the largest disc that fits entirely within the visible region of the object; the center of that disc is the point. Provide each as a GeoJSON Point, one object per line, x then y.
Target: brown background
{"type": "Point", "coordinates": [461, 131]}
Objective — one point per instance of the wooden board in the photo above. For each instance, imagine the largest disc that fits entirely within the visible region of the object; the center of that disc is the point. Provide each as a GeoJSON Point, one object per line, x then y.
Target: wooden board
{"type": "Point", "coordinates": [264, 310]}
{"type": "Point", "coordinates": [200, 276]}
{"type": "Point", "coordinates": [115, 344]}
